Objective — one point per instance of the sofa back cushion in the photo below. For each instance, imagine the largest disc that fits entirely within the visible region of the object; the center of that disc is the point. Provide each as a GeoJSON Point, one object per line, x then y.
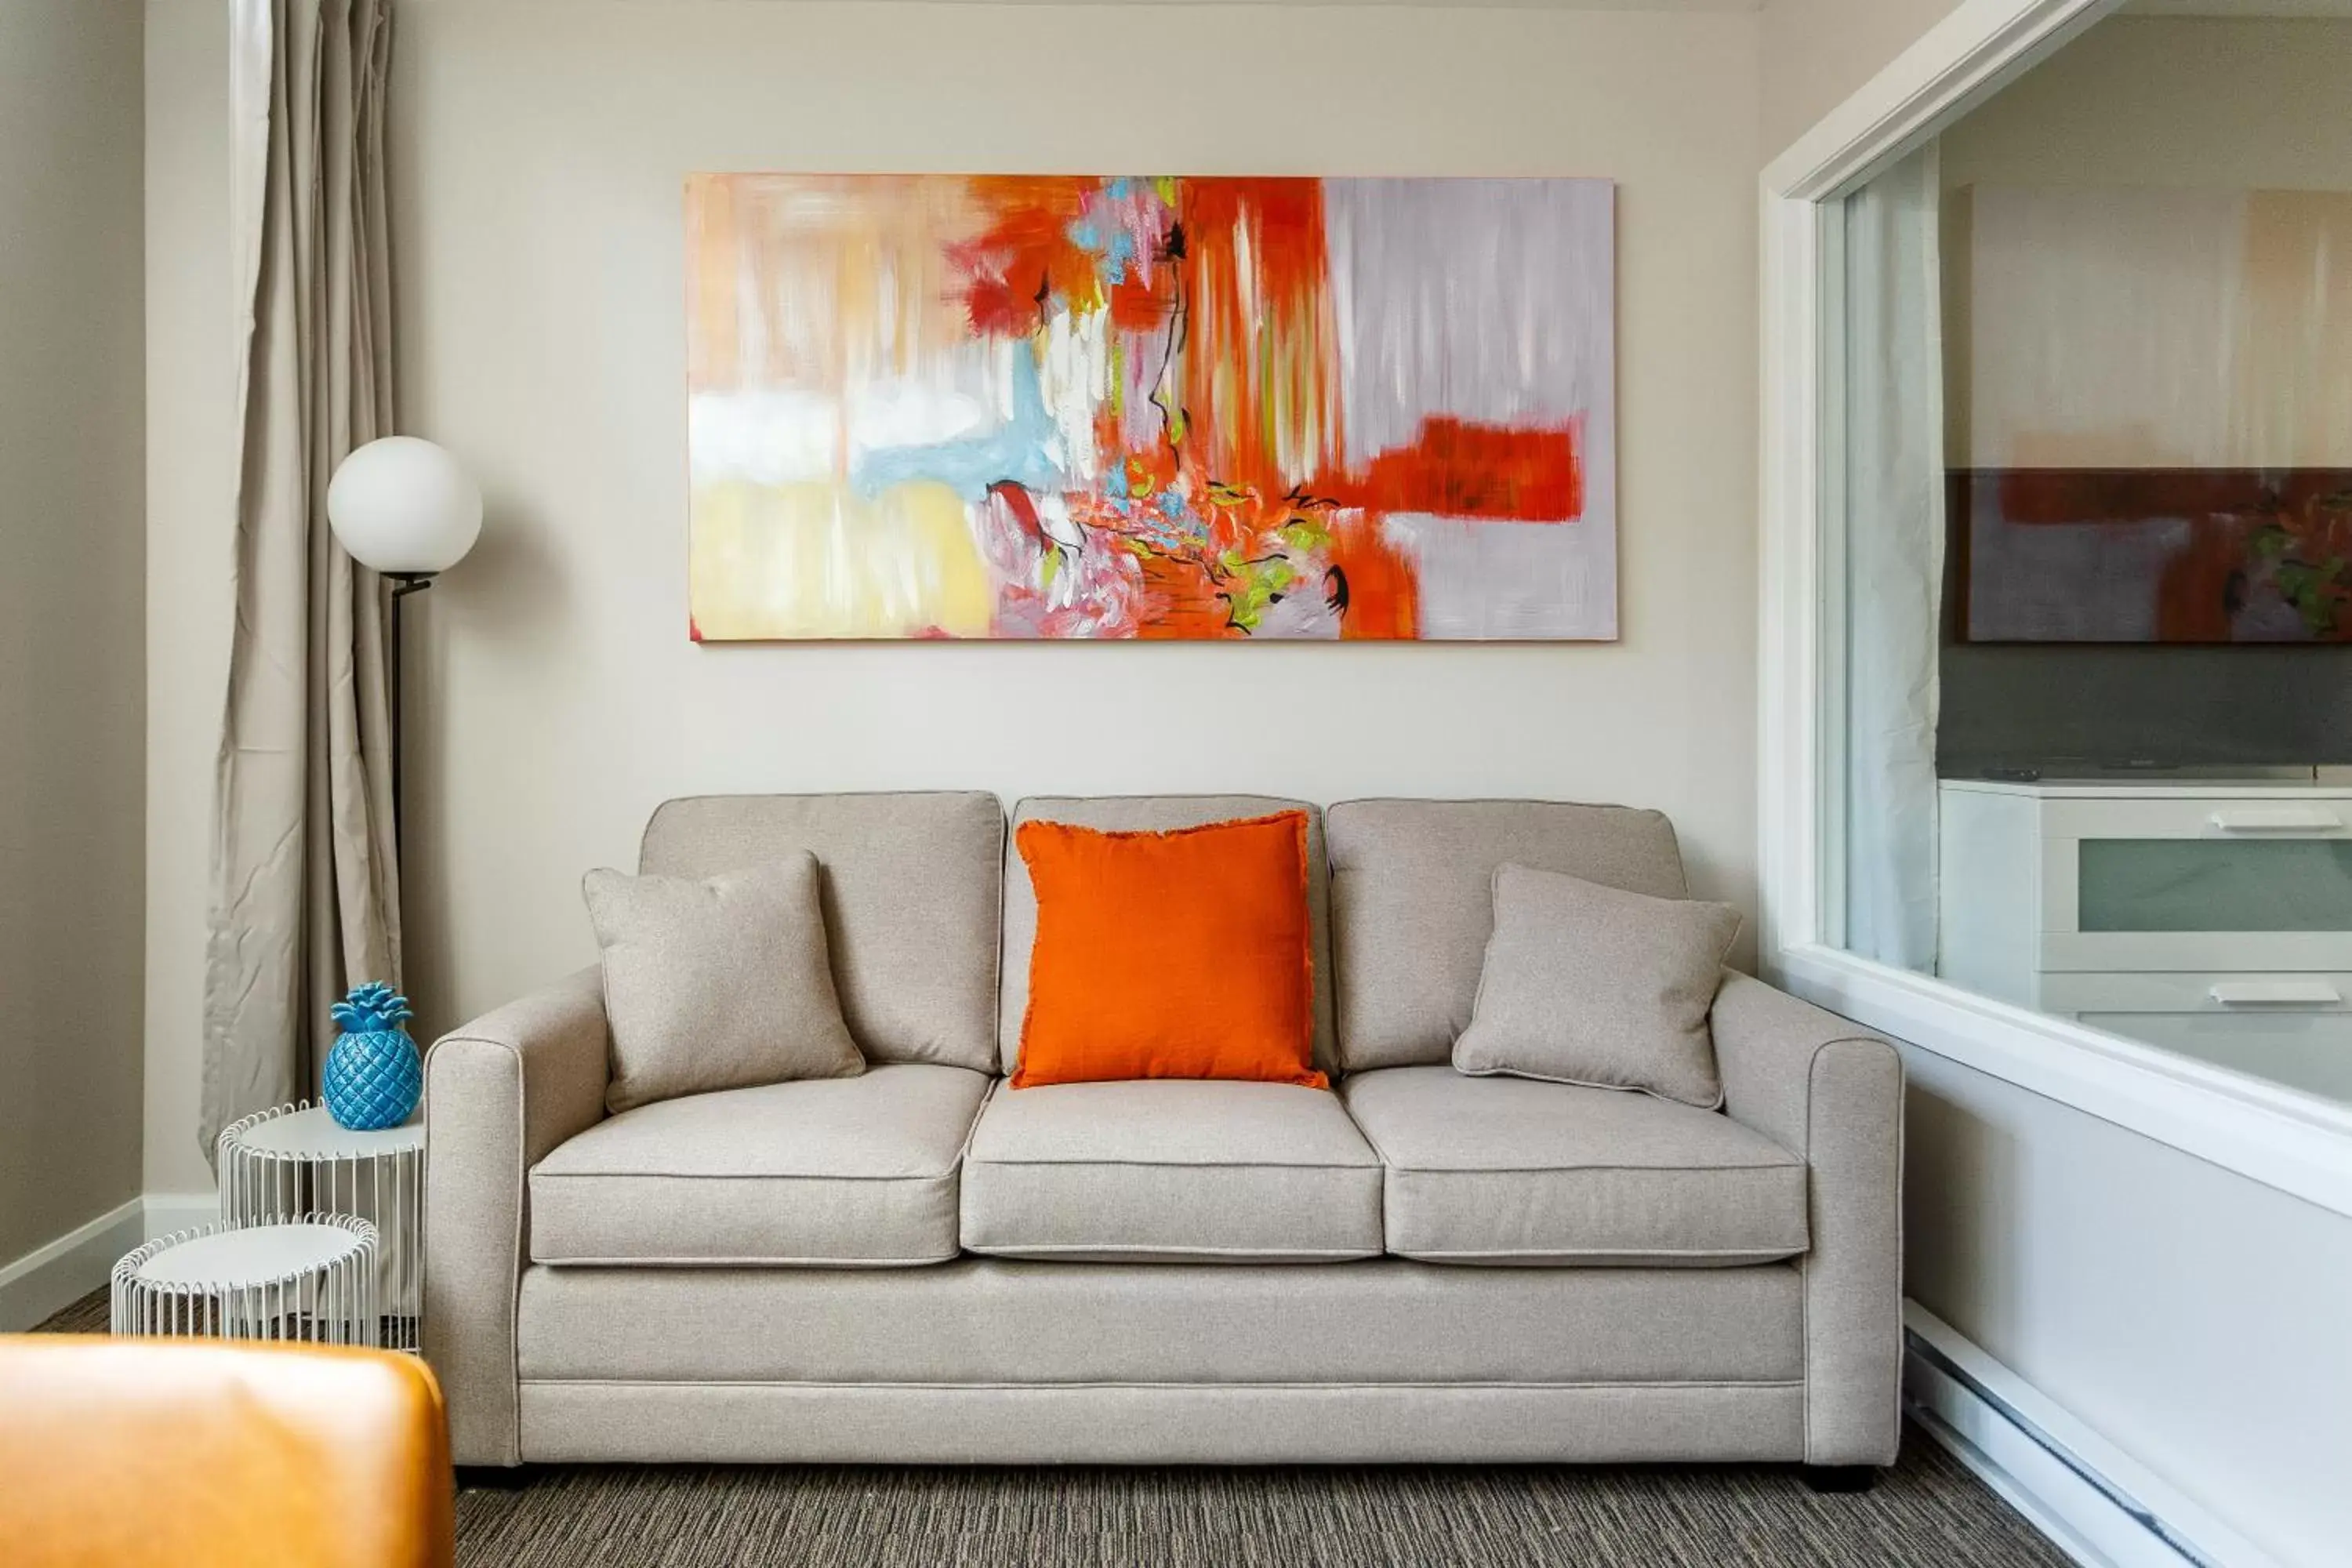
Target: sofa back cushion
{"type": "Point", "coordinates": [1154, 812]}
{"type": "Point", "coordinates": [1413, 904]}
{"type": "Point", "coordinates": [912, 888]}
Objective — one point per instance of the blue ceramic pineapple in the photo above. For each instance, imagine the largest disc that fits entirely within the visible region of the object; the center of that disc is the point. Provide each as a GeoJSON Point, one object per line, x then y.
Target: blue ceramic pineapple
{"type": "Point", "coordinates": [373, 1074]}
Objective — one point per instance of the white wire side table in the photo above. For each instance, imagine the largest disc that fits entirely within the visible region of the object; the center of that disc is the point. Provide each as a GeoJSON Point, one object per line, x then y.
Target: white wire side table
{"type": "Point", "coordinates": [312, 1280]}
{"type": "Point", "coordinates": [277, 1164]}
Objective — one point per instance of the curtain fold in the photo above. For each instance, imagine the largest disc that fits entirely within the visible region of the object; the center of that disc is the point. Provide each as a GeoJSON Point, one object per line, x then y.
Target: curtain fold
{"type": "Point", "coordinates": [305, 879]}
{"type": "Point", "coordinates": [1894, 558]}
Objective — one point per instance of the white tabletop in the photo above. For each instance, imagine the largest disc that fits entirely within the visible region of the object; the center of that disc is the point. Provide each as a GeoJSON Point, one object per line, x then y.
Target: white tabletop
{"type": "Point", "coordinates": [313, 1134]}
{"type": "Point", "coordinates": [251, 1256]}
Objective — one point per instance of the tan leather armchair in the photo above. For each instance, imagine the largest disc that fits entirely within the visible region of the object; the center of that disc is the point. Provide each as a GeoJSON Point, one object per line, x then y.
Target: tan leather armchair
{"type": "Point", "coordinates": [204, 1454]}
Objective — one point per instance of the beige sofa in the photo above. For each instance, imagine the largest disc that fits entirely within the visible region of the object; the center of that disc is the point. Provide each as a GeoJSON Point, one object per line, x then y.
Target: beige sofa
{"type": "Point", "coordinates": [920, 1265]}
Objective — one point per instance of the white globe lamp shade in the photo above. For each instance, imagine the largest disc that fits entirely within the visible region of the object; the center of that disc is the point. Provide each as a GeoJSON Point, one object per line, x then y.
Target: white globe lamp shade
{"type": "Point", "coordinates": [403, 507]}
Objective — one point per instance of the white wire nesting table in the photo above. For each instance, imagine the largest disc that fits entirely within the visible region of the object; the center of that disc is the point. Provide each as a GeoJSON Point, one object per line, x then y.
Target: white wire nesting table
{"type": "Point", "coordinates": [312, 1278]}
{"type": "Point", "coordinates": [277, 1166]}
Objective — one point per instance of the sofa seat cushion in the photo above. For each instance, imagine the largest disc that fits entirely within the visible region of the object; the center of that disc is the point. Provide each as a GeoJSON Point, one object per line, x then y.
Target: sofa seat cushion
{"type": "Point", "coordinates": [822, 1172]}
{"type": "Point", "coordinates": [1510, 1171]}
{"type": "Point", "coordinates": [1170, 1169]}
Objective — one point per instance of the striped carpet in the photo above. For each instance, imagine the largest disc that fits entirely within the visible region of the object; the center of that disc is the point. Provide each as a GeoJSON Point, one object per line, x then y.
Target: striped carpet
{"type": "Point", "coordinates": [1927, 1512]}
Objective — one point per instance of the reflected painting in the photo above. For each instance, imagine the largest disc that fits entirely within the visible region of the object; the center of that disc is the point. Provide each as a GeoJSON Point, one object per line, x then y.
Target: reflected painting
{"type": "Point", "coordinates": [2162, 555]}
{"type": "Point", "coordinates": [1078, 406]}
{"type": "Point", "coordinates": [2151, 401]}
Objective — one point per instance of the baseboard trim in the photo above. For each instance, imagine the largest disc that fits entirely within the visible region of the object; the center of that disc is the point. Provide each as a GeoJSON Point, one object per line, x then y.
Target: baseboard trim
{"type": "Point", "coordinates": [2093, 1501]}
{"type": "Point", "coordinates": [54, 1277]}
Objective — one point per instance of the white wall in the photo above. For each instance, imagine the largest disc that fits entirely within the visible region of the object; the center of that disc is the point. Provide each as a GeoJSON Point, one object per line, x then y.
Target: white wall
{"type": "Point", "coordinates": [70, 628]}
{"type": "Point", "coordinates": [2234, 103]}
{"type": "Point", "coordinates": [538, 153]}
{"type": "Point", "coordinates": [2193, 1318]}
{"type": "Point", "coordinates": [1817, 53]}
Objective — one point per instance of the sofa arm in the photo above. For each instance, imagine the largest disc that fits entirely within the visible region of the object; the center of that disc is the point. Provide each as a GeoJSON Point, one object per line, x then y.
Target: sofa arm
{"type": "Point", "coordinates": [1827, 1090]}
{"type": "Point", "coordinates": [499, 1092]}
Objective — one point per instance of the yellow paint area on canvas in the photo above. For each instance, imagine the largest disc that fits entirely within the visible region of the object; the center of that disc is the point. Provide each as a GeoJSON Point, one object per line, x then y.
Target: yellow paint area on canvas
{"type": "Point", "coordinates": [817, 560]}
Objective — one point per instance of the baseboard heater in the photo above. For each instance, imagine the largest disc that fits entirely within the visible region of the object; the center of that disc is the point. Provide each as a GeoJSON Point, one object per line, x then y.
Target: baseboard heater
{"type": "Point", "coordinates": [2139, 1512]}
{"type": "Point", "coordinates": [2091, 1499]}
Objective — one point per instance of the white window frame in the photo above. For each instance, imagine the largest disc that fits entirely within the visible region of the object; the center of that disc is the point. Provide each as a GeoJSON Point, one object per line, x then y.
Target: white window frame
{"type": "Point", "coordinates": [2296, 1143]}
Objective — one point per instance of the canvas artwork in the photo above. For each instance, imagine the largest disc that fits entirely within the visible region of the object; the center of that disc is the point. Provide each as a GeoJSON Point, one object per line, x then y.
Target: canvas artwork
{"type": "Point", "coordinates": [1098, 406]}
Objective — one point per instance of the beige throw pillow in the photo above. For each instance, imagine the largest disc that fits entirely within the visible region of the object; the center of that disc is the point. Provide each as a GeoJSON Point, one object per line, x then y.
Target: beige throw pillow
{"type": "Point", "coordinates": [722, 984]}
{"type": "Point", "coordinates": [1589, 984]}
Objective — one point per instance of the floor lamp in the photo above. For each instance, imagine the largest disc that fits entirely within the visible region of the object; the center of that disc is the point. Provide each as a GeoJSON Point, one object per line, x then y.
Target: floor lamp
{"type": "Point", "coordinates": [403, 508]}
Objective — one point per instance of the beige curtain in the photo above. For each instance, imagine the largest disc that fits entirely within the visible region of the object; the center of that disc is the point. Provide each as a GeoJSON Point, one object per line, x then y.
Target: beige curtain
{"type": "Point", "coordinates": [305, 883]}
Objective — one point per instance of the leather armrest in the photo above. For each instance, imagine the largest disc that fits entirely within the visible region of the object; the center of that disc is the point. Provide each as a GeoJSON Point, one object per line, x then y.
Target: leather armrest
{"type": "Point", "coordinates": [208, 1455]}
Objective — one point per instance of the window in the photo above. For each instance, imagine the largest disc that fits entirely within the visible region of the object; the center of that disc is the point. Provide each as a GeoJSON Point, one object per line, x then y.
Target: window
{"type": "Point", "coordinates": [2059, 690]}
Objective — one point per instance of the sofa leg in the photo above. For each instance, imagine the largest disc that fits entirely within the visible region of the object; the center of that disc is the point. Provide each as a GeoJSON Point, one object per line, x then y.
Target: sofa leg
{"type": "Point", "coordinates": [1839, 1477]}
{"type": "Point", "coordinates": [493, 1477]}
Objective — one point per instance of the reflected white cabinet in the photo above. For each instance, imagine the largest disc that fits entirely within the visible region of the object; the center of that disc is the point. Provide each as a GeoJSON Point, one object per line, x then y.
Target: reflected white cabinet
{"type": "Point", "coordinates": [2215, 920]}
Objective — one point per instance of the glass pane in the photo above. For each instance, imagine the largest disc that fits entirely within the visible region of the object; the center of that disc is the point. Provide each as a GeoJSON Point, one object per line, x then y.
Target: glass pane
{"type": "Point", "coordinates": [2216, 884]}
{"type": "Point", "coordinates": [2066, 461]}
{"type": "Point", "coordinates": [2310, 1051]}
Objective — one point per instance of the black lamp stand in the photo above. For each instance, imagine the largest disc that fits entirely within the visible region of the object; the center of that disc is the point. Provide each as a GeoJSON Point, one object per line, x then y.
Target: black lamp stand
{"type": "Point", "coordinates": [402, 585]}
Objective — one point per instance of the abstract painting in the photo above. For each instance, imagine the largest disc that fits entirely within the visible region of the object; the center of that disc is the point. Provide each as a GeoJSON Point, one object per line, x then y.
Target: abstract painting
{"type": "Point", "coordinates": [1062, 406]}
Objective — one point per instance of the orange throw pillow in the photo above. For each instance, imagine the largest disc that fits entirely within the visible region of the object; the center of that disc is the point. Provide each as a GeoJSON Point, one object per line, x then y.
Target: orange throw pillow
{"type": "Point", "coordinates": [1178, 954]}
